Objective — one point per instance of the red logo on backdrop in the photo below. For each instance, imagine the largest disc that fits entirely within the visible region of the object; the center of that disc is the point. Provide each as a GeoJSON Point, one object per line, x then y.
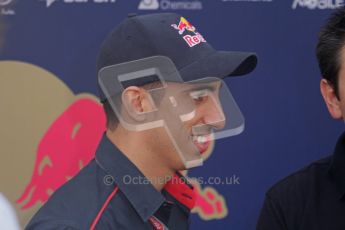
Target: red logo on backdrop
{"type": "Point", "coordinates": [191, 40]}
{"type": "Point", "coordinates": [67, 146]}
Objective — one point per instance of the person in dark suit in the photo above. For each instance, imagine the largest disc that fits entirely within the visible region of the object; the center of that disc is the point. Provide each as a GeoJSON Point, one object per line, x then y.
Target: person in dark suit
{"type": "Point", "coordinates": [314, 197]}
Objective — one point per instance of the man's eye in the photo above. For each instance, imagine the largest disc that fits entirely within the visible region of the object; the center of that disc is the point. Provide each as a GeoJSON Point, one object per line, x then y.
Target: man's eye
{"type": "Point", "coordinates": [199, 96]}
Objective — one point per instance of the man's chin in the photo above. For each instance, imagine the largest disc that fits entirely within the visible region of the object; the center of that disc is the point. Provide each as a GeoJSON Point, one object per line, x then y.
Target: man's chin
{"type": "Point", "coordinates": [196, 151]}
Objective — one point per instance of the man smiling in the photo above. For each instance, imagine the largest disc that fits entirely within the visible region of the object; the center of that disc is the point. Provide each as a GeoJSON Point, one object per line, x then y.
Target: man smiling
{"type": "Point", "coordinates": [157, 124]}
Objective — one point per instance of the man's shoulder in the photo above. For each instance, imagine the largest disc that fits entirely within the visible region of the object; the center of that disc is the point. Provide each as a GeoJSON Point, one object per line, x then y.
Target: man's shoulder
{"type": "Point", "coordinates": [81, 186]}
{"type": "Point", "coordinates": [74, 204]}
{"type": "Point", "coordinates": [301, 181]}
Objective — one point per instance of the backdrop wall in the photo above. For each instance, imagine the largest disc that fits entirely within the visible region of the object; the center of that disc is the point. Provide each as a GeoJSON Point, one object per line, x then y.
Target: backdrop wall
{"type": "Point", "coordinates": [48, 91]}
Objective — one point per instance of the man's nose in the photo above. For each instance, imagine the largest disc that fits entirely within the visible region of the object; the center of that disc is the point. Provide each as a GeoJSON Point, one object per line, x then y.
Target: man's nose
{"type": "Point", "coordinates": [214, 114]}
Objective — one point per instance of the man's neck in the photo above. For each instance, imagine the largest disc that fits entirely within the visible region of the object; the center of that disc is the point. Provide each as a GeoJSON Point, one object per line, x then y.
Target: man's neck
{"type": "Point", "coordinates": [149, 163]}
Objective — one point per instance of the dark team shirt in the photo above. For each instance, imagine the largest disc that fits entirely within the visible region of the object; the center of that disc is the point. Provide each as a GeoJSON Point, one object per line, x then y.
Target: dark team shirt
{"type": "Point", "coordinates": [101, 197]}
{"type": "Point", "coordinates": [310, 199]}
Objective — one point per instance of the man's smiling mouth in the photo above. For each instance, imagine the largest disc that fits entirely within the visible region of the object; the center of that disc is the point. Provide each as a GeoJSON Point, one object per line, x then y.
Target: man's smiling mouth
{"type": "Point", "coordinates": [201, 142]}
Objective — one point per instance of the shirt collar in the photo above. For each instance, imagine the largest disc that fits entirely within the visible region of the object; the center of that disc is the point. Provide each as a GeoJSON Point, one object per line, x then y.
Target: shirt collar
{"type": "Point", "coordinates": [337, 166]}
{"type": "Point", "coordinates": [182, 190]}
{"type": "Point", "coordinates": [145, 199]}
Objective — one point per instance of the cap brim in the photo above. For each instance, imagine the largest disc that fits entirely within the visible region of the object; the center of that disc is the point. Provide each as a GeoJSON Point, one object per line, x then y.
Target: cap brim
{"type": "Point", "coordinates": [220, 64]}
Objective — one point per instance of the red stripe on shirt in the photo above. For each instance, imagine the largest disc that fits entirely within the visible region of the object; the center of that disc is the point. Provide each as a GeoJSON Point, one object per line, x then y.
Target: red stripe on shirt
{"type": "Point", "coordinates": [94, 223]}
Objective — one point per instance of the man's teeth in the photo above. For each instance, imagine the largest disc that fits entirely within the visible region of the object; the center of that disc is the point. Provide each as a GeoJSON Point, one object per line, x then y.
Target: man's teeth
{"type": "Point", "coordinates": [200, 139]}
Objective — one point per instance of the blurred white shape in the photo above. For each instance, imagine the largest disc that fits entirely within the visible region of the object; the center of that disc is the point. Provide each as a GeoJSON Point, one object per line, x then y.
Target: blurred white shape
{"type": "Point", "coordinates": [8, 218]}
{"type": "Point", "coordinates": [148, 5]}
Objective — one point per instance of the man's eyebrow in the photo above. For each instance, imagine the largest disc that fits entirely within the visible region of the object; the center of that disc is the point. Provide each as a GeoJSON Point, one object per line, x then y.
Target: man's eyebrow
{"type": "Point", "coordinates": [202, 87]}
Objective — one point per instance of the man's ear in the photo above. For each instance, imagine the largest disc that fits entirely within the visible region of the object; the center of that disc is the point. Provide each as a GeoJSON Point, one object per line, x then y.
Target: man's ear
{"type": "Point", "coordinates": [331, 99]}
{"type": "Point", "coordinates": [137, 102]}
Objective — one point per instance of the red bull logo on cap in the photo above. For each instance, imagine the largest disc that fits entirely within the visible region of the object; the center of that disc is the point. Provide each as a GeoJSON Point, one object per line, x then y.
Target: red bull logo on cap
{"type": "Point", "coordinates": [183, 26]}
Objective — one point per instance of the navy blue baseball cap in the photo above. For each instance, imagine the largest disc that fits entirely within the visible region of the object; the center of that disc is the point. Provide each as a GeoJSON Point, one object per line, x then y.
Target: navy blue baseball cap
{"type": "Point", "coordinates": [171, 35]}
